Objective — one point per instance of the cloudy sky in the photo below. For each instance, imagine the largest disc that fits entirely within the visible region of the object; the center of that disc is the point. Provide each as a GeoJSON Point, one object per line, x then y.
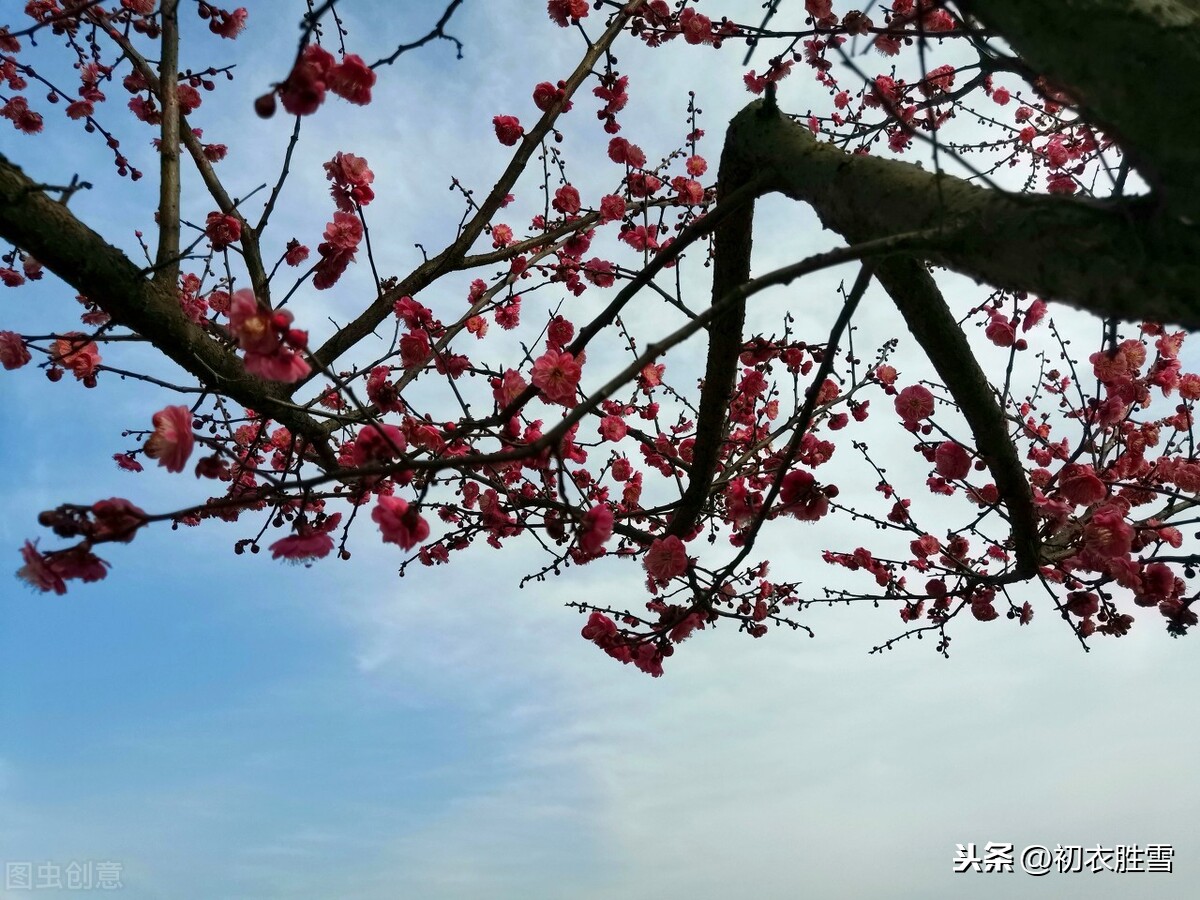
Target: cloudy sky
{"type": "Point", "coordinates": [225, 726]}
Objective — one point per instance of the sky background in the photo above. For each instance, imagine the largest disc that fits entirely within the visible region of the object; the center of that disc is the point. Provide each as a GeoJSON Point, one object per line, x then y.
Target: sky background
{"type": "Point", "coordinates": [226, 726]}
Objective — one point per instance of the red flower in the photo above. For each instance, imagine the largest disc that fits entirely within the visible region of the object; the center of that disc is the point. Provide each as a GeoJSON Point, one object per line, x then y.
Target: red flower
{"type": "Point", "coordinates": [414, 349]}
{"type": "Point", "coordinates": [18, 112]}
{"type": "Point", "coordinates": [666, 558]}
{"type": "Point", "coordinates": [222, 230]}
{"type": "Point", "coordinates": [377, 443]}
{"type": "Point", "coordinates": [308, 542]}
{"type": "Point", "coordinates": [613, 428]}
{"type": "Point", "coordinates": [352, 79]}
{"type": "Point", "coordinates": [564, 12]}
{"type": "Point", "coordinates": [621, 151]}
{"type": "Point", "coordinates": [13, 353]}
{"type": "Point", "coordinates": [599, 628]}
{"type": "Point", "coordinates": [304, 90]}
{"type": "Point", "coordinates": [800, 496]}
{"type": "Point", "coordinates": [226, 24]}
{"type": "Point", "coordinates": [116, 520]}
{"type": "Point", "coordinates": [696, 29]}
{"type": "Point", "coordinates": [296, 253]}
{"type": "Point", "coordinates": [1079, 484]}
{"type": "Point", "coordinates": [1108, 535]}
{"type": "Point", "coordinates": [566, 200]}
{"type": "Point", "coordinates": [351, 177]}
{"type": "Point", "coordinates": [38, 571]}
{"type": "Point", "coordinates": [73, 351]}
{"type": "Point", "coordinates": [951, 460]}
{"type": "Point", "coordinates": [556, 375]}
{"type": "Point", "coordinates": [508, 129]}
{"type": "Point", "coordinates": [596, 529]}
{"type": "Point", "coordinates": [172, 441]}
{"type": "Point", "coordinates": [914, 404]}
{"type": "Point", "coordinates": [1000, 331]}
{"type": "Point", "coordinates": [400, 523]}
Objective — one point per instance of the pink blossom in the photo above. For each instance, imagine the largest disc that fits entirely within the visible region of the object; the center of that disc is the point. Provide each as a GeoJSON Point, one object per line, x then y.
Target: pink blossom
{"type": "Point", "coordinates": [612, 208]}
{"type": "Point", "coordinates": [264, 336]}
{"type": "Point", "coordinates": [222, 230]}
{"type": "Point", "coordinates": [596, 529]}
{"type": "Point", "coordinates": [308, 542]}
{"type": "Point", "coordinates": [666, 558]}
{"type": "Point", "coordinates": [352, 80]}
{"type": "Point", "coordinates": [415, 349]}
{"type": "Point", "coordinates": [696, 28]}
{"type": "Point", "coordinates": [23, 118]}
{"type": "Point", "coordinates": [1079, 484]}
{"type": "Point", "coordinates": [566, 200]}
{"type": "Point", "coordinates": [38, 571]}
{"type": "Point", "coordinates": [545, 95]}
{"type": "Point", "coordinates": [78, 562]}
{"type": "Point", "coordinates": [172, 441]}
{"type": "Point", "coordinates": [914, 404]}
{"type": "Point", "coordinates": [377, 443]}
{"type": "Point", "coordinates": [337, 251]}
{"type": "Point", "coordinates": [613, 428]}
{"type": "Point", "coordinates": [688, 191]}
{"type": "Point", "coordinates": [800, 496]}
{"type": "Point", "coordinates": [227, 24]}
{"type": "Point", "coordinates": [13, 352]}
{"type": "Point", "coordinates": [621, 151]}
{"type": "Point", "coordinates": [116, 519]}
{"type": "Point", "coordinates": [75, 352]}
{"type": "Point", "coordinates": [400, 523]}
{"type": "Point", "coordinates": [643, 237]}
{"type": "Point", "coordinates": [296, 253]}
{"type": "Point", "coordinates": [951, 460]}
{"type": "Point", "coordinates": [1033, 315]}
{"type": "Point", "coordinates": [565, 12]}
{"type": "Point", "coordinates": [556, 375]}
{"type": "Point", "coordinates": [351, 177]}
{"type": "Point", "coordinates": [1108, 535]}
{"type": "Point", "coordinates": [508, 129]}
{"type": "Point", "coordinates": [1000, 331]}
{"type": "Point", "coordinates": [304, 91]}
{"type": "Point", "coordinates": [599, 272]}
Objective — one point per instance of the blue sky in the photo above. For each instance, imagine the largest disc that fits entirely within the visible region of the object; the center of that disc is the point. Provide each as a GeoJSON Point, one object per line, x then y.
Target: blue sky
{"type": "Point", "coordinates": [224, 725]}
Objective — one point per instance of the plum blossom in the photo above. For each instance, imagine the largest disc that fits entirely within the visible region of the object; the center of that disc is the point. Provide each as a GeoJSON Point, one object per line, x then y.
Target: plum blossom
{"type": "Point", "coordinates": [352, 80]}
{"type": "Point", "coordinates": [914, 404]}
{"type": "Point", "coordinates": [508, 129]}
{"type": "Point", "coordinates": [399, 522]}
{"type": "Point", "coordinates": [952, 460]}
{"type": "Point", "coordinates": [13, 352]}
{"type": "Point", "coordinates": [38, 572]}
{"type": "Point", "coordinates": [222, 230]}
{"type": "Point", "coordinates": [666, 558]}
{"type": "Point", "coordinates": [75, 352]}
{"type": "Point", "coordinates": [566, 12]}
{"type": "Point", "coordinates": [172, 441]}
{"type": "Point", "coordinates": [351, 177]}
{"type": "Point", "coordinates": [266, 336]}
{"type": "Point", "coordinates": [556, 375]}
{"type": "Point", "coordinates": [596, 529]}
{"type": "Point", "coordinates": [307, 542]}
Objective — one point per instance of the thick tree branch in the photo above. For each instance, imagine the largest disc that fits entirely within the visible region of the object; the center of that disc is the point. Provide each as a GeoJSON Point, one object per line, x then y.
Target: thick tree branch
{"type": "Point", "coordinates": [1131, 65]}
{"type": "Point", "coordinates": [84, 260]}
{"type": "Point", "coordinates": [919, 300]}
{"type": "Point", "coordinates": [1113, 258]}
{"type": "Point", "coordinates": [166, 260]}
